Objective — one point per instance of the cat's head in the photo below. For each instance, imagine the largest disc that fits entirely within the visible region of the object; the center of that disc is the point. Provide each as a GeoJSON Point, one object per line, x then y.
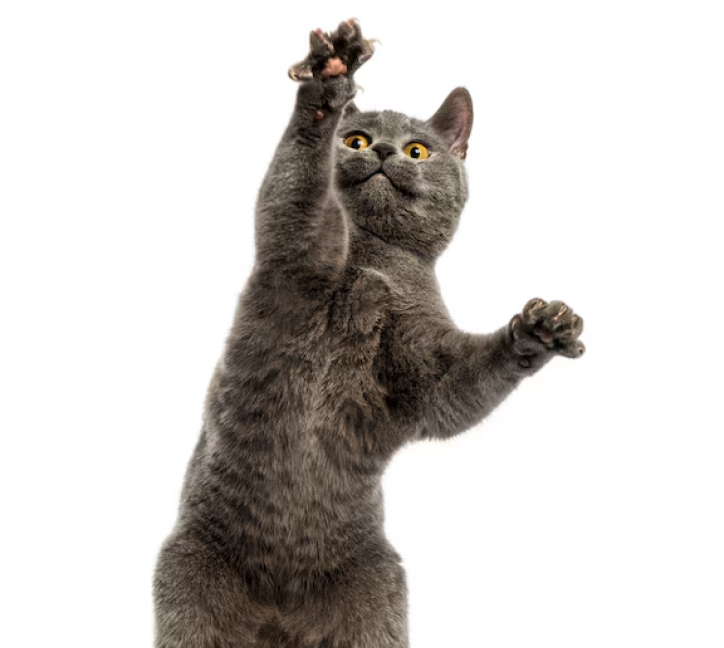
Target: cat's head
{"type": "Point", "coordinates": [402, 178]}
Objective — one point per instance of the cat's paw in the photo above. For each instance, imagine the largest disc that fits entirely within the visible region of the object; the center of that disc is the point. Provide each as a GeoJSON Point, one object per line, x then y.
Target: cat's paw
{"type": "Point", "coordinates": [546, 327]}
{"type": "Point", "coordinates": [369, 299]}
{"type": "Point", "coordinates": [338, 53]}
{"type": "Point", "coordinates": [363, 304]}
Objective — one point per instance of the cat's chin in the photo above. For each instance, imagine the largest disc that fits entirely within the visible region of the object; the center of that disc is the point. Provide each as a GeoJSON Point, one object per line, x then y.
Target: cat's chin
{"type": "Point", "coordinates": [376, 194]}
{"type": "Point", "coordinates": [378, 177]}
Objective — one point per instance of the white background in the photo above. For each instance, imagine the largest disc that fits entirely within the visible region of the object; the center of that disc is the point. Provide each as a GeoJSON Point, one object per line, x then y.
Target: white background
{"type": "Point", "coordinates": [587, 511]}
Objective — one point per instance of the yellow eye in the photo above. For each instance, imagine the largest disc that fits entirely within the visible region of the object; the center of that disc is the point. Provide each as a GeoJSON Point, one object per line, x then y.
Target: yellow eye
{"type": "Point", "coordinates": [357, 142]}
{"type": "Point", "coordinates": [416, 151]}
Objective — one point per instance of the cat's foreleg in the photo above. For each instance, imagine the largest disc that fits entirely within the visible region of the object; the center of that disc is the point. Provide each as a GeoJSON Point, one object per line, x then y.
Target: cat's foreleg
{"type": "Point", "coordinates": [300, 228]}
{"type": "Point", "coordinates": [487, 368]}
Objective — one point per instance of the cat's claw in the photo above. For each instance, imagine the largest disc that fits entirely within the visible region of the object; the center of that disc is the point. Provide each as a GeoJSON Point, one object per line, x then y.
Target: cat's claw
{"type": "Point", "coordinates": [340, 52]}
{"type": "Point", "coordinates": [547, 327]}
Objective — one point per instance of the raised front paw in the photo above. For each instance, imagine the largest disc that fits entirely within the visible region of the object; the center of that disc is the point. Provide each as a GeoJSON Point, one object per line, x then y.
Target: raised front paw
{"type": "Point", "coordinates": [341, 52]}
{"type": "Point", "coordinates": [546, 327]}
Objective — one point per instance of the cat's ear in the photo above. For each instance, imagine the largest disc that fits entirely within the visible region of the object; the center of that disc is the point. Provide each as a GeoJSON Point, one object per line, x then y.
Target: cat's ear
{"type": "Point", "coordinates": [453, 121]}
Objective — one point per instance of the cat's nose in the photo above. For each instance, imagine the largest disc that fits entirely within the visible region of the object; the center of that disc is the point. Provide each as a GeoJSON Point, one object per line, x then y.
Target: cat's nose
{"type": "Point", "coordinates": [383, 150]}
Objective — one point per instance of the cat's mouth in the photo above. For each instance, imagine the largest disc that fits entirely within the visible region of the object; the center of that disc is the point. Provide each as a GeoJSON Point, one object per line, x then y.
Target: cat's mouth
{"type": "Point", "coordinates": [373, 174]}
{"type": "Point", "coordinates": [380, 172]}
{"type": "Point", "coordinates": [376, 181]}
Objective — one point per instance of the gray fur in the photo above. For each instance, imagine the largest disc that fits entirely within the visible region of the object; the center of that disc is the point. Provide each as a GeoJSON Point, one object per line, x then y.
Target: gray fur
{"type": "Point", "coordinates": [341, 352]}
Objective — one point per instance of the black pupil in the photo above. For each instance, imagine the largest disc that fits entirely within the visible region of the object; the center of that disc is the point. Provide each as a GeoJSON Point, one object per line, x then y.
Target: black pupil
{"type": "Point", "coordinates": [357, 143]}
{"type": "Point", "coordinates": [415, 152]}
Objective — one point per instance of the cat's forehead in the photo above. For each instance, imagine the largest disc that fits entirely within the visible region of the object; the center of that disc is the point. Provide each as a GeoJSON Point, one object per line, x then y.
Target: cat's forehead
{"type": "Point", "coordinates": [387, 125]}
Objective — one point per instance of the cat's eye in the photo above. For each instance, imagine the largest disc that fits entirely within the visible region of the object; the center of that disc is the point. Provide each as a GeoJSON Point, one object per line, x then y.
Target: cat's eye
{"type": "Point", "coordinates": [416, 151]}
{"type": "Point", "coordinates": [357, 141]}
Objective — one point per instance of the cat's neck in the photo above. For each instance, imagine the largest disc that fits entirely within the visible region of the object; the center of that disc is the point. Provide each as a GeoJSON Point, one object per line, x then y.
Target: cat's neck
{"type": "Point", "coordinates": [367, 249]}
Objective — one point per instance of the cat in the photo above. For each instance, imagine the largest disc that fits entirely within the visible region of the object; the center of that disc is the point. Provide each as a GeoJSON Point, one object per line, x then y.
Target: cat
{"type": "Point", "coordinates": [341, 352]}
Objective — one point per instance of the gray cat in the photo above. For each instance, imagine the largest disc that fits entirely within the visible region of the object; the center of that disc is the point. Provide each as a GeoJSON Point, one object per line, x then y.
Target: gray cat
{"type": "Point", "coordinates": [341, 352]}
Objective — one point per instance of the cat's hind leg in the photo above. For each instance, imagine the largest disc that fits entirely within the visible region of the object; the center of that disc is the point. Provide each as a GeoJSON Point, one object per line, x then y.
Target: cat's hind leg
{"type": "Point", "coordinates": [361, 604]}
{"type": "Point", "coordinates": [201, 602]}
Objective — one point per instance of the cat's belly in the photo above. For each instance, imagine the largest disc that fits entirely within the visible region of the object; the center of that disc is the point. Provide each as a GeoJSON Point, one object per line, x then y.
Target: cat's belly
{"type": "Point", "coordinates": [288, 473]}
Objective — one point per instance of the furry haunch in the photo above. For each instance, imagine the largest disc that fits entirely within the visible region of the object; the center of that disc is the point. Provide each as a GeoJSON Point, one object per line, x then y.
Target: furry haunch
{"type": "Point", "coordinates": [341, 352]}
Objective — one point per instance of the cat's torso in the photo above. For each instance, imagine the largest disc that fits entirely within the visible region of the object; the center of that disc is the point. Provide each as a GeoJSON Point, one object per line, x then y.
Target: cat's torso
{"type": "Point", "coordinates": [301, 415]}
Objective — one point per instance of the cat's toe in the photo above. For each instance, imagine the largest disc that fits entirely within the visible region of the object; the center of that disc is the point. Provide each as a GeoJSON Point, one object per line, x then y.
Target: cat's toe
{"type": "Point", "coordinates": [573, 350]}
{"type": "Point", "coordinates": [351, 45]}
{"type": "Point", "coordinates": [532, 310]}
{"type": "Point", "coordinates": [347, 32]}
{"type": "Point", "coordinates": [320, 44]}
{"type": "Point", "coordinates": [301, 71]}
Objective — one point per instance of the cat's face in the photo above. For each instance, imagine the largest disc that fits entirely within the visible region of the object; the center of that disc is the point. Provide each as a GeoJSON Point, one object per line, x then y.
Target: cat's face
{"type": "Point", "coordinates": [402, 178]}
